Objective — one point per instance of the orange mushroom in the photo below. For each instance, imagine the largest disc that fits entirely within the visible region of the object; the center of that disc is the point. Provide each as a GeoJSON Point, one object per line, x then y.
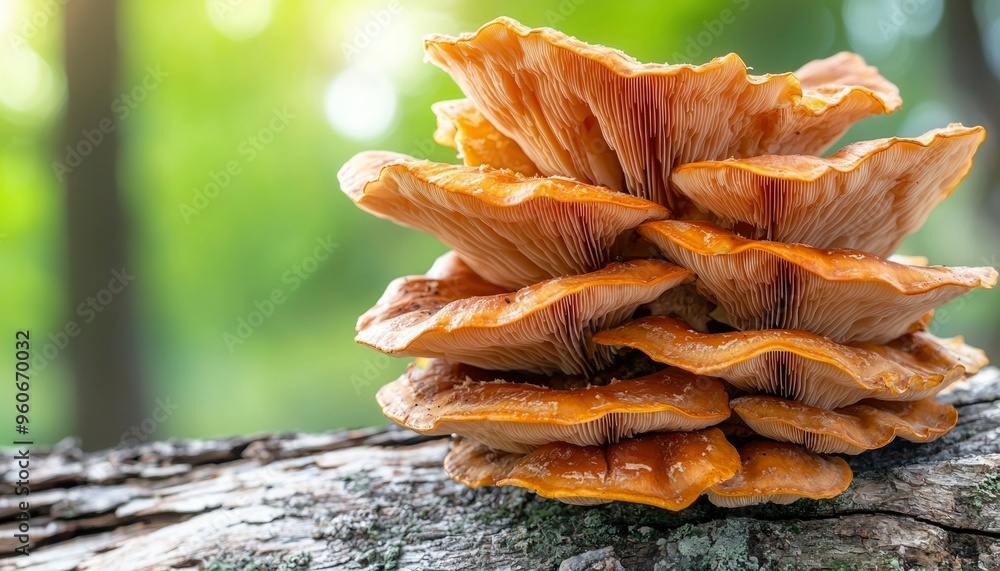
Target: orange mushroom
{"type": "Point", "coordinates": [449, 279]}
{"type": "Point", "coordinates": [806, 367]}
{"type": "Point", "coordinates": [577, 156]}
{"type": "Point", "coordinates": [668, 470]}
{"type": "Point", "coordinates": [867, 196]}
{"type": "Point", "coordinates": [596, 115]}
{"type": "Point", "coordinates": [500, 410]}
{"type": "Point", "coordinates": [476, 465]}
{"type": "Point", "coordinates": [851, 429]}
{"type": "Point", "coordinates": [511, 230]}
{"type": "Point", "coordinates": [781, 473]}
{"type": "Point", "coordinates": [846, 295]}
{"type": "Point", "coordinates": [546, 327]}
{"type": "Point", "coordinates": [462, 127]}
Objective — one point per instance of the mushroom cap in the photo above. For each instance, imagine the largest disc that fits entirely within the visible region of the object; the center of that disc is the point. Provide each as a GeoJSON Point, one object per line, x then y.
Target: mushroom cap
{"type": "Point", "coordinates": [868, 196]}
{"type": "Point", "coordinates": [505, 413]}
{"type": "Point", "coordinates": [804, 366]}
{"type": "Point", "coordinates": [851, 429]}
{"type": "Point", "coordinates": [781, 473]}
{"type": "Point", "coordinates": [449, 279]}
{"type": "Point", "coordinates": [461, 126]}
{"type": "Point", "coordinates": [544, 328]}
{"type": "Point", "coordinates": [512, 230]}
{"type": "Point", "coordinates": [665, 469]}
{"type": "Point", "coordinates": [476, 465]}
{"type": "Point", "coordinates": [597, 115]}
{"type": "Point", "coordinates": [846, 295]}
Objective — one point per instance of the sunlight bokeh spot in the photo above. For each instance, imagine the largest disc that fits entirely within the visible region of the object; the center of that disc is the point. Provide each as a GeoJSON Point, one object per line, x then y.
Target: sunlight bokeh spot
{"type": "Point", "coordinates": [869, 29]}
{"type": "Point", "coordinates": [874, 28]}
{"type": "Point", "coordinates": [360, 102]}
{"type": "Point", "coordinates": [239, 19]}
{"type": "Point", "coordinates": [26, 82]}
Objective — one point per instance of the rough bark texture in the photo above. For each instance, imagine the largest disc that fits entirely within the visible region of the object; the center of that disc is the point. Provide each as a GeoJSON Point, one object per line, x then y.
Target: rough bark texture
{"type": "Point", "coordinates": [378, 499]}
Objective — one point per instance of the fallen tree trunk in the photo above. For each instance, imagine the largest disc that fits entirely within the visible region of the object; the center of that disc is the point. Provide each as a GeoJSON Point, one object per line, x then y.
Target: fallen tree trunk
{"type": "Point", "coordinates": [378, 499]}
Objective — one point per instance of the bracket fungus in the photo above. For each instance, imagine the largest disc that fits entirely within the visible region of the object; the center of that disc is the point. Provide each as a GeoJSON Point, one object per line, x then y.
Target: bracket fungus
{"type": "Point", "coordinates": [781, 473]}
{"type": "Point", "coordinates": [634, 244]}
{"type": "Point", "coordinates": [804, 366]}
{"type": "Point", "coordinates": [461, 126]}
{"type": "Point", "coordinates": [597, 115]}
{"type": "Point", "coordinates": [867, 196]}
{"type": "Point", "coordinates": [505, 412]}
{"type": "Point", "coordinates": [846, 295]}
{"type": "Point", "coordinates": [512, 230]}
{"type": "Point", "coordinates": [851, 429]}
{"type": "Point", "coordinates": [476, 465]}
{"type": "Point", "coordinates": [666, 469]}
{"type": "Point", "coordinates": [545, 327]}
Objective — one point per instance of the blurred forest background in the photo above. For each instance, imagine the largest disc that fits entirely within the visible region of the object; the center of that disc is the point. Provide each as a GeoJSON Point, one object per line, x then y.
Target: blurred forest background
{"type": "Point", "coordinates": [171, 228]}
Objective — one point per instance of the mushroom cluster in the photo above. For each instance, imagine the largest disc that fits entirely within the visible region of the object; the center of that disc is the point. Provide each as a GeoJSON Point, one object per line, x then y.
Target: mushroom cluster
{"type": "Point", "coordinates": [656, 288]}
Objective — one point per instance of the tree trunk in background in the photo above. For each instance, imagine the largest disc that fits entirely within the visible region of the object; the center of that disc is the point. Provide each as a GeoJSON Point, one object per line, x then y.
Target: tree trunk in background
{"type": "Point", "coordinates": [977, 85]}
{"type": "Point", "coordinates": [378, 499]}
{"type": "Point", "coordinates": [971, 72]}
{"type": "Point", "coordinates": [103, 354]}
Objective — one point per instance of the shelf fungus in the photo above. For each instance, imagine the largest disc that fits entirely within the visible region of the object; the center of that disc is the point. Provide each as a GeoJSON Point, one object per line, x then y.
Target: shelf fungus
{"type": "Point", "coordinates": [666, 469]}
{"type": "Point", "coordinates": [512, 230]}
{"type": "Point", "coordinates": [545, 327]}
{"type": "Point", "coordinates": [461, 126]}
{"type": "Point", "coordinates": [846, 295]}
{"type": "Point", "coordinates": [851, 429]}
{"type": "Point", "coordinates": [657, 289]}
{"type": "Point", "coordinates": [781, 473]}
{"type": "Point", "coordinates": [867, 196]}
{"type": "Point", "coordinates": [804, 366]}
{"type": "Point", "coordinates": [506, 411]}
{"type": "Point", "coordinates": [599, 116]}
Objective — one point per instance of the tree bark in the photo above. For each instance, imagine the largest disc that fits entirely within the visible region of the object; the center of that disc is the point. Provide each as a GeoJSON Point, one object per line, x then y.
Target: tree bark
{"type": "Point", "coordinates": [378, 499]}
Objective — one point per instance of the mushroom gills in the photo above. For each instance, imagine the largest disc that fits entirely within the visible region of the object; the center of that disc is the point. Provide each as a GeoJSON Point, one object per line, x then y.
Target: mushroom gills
{"type": "Point", "coordinates": [846, 295]}
{"type": "Point", "coordinates": [803, 366]}
{"type": "Point", "coordinates": [512, 230]}
{"type": "Point", "coordinates": [852, 429]}
{"type": "Point", "coordinates": [461, 126]}
{"type": "Point", "coordinates": [503, 412]}
{"type": "Point", "coordinates": [544, 328]}
{"type": "Point", "coordinates": [868, 196]}
{"type": "Point", "coordinates": [561, 100]}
